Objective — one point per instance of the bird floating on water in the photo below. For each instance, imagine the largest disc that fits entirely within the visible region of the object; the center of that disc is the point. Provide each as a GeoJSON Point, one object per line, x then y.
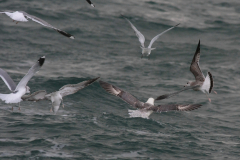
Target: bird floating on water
{"type": "Point", "coordinates": [21, 16]}
{"type": "Point", "coordinates": [19, 90]}
{"type": "Point", "coordinates": [146, 51]}
{"type": "Point", "coordinates": [144, 110]}
{"type": "Point", "coordinates": [57, 97]}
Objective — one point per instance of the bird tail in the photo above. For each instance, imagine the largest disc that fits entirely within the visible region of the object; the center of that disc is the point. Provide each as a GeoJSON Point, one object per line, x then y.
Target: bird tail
{"type": "Point", "coordinates": [208, 83]}
{"type": "Point", "coordinates": [3, 97]}
{"type": "Point", "coordinates": [65, 34]}
{"type": "Point", "coordinates": [9, 98]}
{"type": "Point", "coordinates": [55, 109]}
{"type": "Point", "coordinates": [139, 113]}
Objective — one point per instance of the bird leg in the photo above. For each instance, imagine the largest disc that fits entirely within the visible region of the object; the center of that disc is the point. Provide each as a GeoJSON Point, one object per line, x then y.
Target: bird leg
{"type": "Point", "coordinates": [62, 103]}
{"type": "Point", "coordinates": [209, 98]}
{"type": "Point", "coordinates": [19, 106]}
{"type": "Point", "coordinates": [215, 92]}
{"type": "Point", "coordinates": [16, 22]}
{"type": "Point", "coordinates": [13, 20]}
{"type": "Point", "coordinates": [51, 110]}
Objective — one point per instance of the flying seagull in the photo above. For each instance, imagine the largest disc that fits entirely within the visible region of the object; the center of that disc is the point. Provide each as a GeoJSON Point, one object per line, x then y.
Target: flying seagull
{"type": "Point", "coordinates": [21, 16]}
{"type": "Point", "coordinates": [19, 90]}
{"type": "Point", "coordinates": [90, 3]}
{"type": "Point", "coordinates": [57, 97]}
{"type": "Point", "coordinates": [144, 110]}
{"type": "Point", "coordinates": [204, 84]}
{"type": "Point", "coordinates": [146, 51]}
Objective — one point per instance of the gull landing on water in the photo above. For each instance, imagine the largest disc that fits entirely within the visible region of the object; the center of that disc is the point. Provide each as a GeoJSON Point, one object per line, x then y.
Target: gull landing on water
{"type": "Point", "coordinates": [90, 3]}
{"type": "Point", "coordinates": [204, 84]}
{"type": "Point", "coordinates": [19, 90]}
{"type": "Point", "coordinates": [146, 51]}
{"type": "Point", "coordinates": [147, 108]}
{"type": "Point", "coordinates": [20, 16]}
{"type": "Point", "coordinates": [57, 97]}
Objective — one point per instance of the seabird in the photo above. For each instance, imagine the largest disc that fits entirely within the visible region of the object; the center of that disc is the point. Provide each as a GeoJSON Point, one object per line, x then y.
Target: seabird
{"type": "Point", "coordinates": [144, 110]}
{"type": "Point", "coordinates": [90, 3]}
{"type": "Point", "coordinates": [146, 51]}
{"type": "Point", "coordinates": [57, 97]}
{"type": "Point", "coordinates": [21, 16]}
{"type": "Point", "coordinates": [204, 84]}
{"type": "Point", "coordinates": [19, 90]}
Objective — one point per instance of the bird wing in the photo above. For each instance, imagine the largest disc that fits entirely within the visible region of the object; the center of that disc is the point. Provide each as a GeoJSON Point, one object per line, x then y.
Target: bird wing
{"type": "Point", "coordinates": [157, 36]}
{"type": "Point", "coordinates": [44, 23]}
{"type": "Point", "coordinates": [30, 73]}
{"type": "Point", "coordinates": [194, 68]}
{"type": "Point", "coordinates": [36, 96]}
{"type": "Point", "coordinates": [90, 3]}
{"type": "Point", "coordinates": [171, 107]}
{"type": "Point", "coordinates": [8, 80]}
{"type": "Point", "coordinates": [166, 96]}
{"type": "Point", "coordinates": [125, 96]}
{"type": "Point", "coordinates": [73, 88]}
{"type": "Point", "coordinates": [140, 36]}
{"type": "Point", "coordinates": [6, 11]}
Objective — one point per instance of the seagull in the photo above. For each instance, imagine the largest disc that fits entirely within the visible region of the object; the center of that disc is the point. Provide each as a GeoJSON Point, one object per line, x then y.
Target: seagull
{"type": "Point", "coordinates": [144, 110]}
{"type": "Point", "coordinates": [57, 97]}
{"type": "Point", "coordinates": [141, 38]}
{"type": "Point", "coordinates": [204, 84]}
{"type": "Point", "coordinates": [21, 16]}
{"type": "Point", "coordinates": [19, 90]}
{"type": "Point", "coordinates": [90, 3]}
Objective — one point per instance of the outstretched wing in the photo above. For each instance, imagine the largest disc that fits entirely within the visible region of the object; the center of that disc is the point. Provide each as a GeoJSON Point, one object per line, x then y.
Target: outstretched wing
{"type": "Point", "coordinates": [157, 36]}
{"type": "Point", "coordinates": [44, 23]}
{"type": "Point", "coordinates": [166, 96]}
{"type": "Point", "coordinates": [30, 73]}
{"type": "Point", "coordinates": [194, 68]}
{"type": "Point", "coordinates": [36, 96]}
{"type": "Point", "coordinates": [6, 11]}
{"type": "Point", "coordinates": [127, 97]}
{"type": "Point", "coordinates": [90, 3]}
{"type": "Point", "coordinates": [73, 88]}
{"type": "Point", "coordinates": [8, 80]}
{"type": "Point", "coordinates": [172, 107]}
{"type": "Point", "coordinates": [140, 36]}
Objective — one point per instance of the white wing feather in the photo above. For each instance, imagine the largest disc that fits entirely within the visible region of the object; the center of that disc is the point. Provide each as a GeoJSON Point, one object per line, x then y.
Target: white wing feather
{"type": "Point", "coordinates": [140, 36]}
{"type": "Point", "coordinates": [157, 36]}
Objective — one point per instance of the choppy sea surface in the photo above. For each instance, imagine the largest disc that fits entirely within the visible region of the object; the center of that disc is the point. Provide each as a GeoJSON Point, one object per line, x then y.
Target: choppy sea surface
{"type": "Point", "coordinates": [95, 124]}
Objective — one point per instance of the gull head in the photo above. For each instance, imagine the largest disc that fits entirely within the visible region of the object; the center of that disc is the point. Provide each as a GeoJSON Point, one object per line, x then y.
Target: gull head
{"type": "Point", "coordinates": [188, 83]}
{"type": "Point", "coordinates": [27, 89]}
{"type": "Point", "coordinates": [150, 101]}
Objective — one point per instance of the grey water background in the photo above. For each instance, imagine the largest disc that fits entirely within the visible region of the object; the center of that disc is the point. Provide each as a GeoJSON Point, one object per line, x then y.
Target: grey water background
{"type": "Point", "coordinates": [95, 124]}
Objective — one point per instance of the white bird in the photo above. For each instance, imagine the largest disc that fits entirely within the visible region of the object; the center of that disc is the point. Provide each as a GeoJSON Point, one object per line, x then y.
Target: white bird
{"type": "Point", "coordinates": [146, 51]}
{"type": "Point", "coordinates": [19, 90]}
{"type": "Point", "coordinates": [57, 97]}
{"type": "Point", "coordinates": [90, 3]}
{"type": "Point", "coordinates": [204, 84]}
{"type": "Point", "coordinates": [147, 108]}
{"type": "Point", "coordinates": [21, 16]}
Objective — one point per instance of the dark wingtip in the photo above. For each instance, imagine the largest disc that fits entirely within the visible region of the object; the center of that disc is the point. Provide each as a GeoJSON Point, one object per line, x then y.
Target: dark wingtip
{"type": "Point", "coordinates": [177, 25]}
{"type": "Point", "coordinates": [93, 80]}
{"type": "Point", "coordinates": [41, 60]}
{"type": "Point", "coordinates": [211, 79]}
{"type": "Point", "coordinates": [66, 34]}
{"type": "Point", "coordinates": [161, 97]}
